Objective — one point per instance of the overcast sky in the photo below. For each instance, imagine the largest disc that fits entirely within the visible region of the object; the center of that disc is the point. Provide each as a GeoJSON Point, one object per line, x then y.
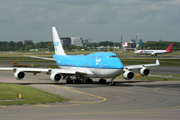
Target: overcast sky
{"type": "Point", "coordinates": [98, 20]}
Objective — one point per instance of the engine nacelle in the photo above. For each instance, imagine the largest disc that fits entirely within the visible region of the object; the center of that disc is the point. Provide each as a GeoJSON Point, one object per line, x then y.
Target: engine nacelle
{"type": "Point", "coordinates": [153, 54]}
{"type": "Point", "coordinates": [128, 75]}
{"type": "Point", "coordinates": [144, 71]}
{"type": "Point", "coordinates": [56, 77]}
{"type": "Point", "coordinates": [19, 75]}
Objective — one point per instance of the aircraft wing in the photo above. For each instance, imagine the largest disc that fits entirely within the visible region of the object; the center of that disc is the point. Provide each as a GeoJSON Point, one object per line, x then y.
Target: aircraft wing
{"type": "Point", "coordinates": [140, 66]}
{"type": "Point", "coordinates": [47, 70]}
{"type": "Point", "coordinates": [55, 74]}
{"type": "Point", "coordinates": [44, 58]}
{"type": "Point", "coordinates": [24, 69]}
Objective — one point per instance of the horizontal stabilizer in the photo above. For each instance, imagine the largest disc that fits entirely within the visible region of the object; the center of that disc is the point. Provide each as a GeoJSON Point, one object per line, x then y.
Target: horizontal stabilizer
{"type": "Point", "coordinates": [44, 58]}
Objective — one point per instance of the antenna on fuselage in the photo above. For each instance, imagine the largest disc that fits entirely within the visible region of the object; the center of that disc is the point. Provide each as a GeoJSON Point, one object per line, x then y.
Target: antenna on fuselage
{"type": "Point", "coordinates": [57, 43]}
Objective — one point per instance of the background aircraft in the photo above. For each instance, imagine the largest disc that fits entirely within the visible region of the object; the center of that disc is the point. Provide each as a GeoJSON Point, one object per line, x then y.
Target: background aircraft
{"type": "Point", "coordinates": [77, 68]}
{"type": "Point", "coordinates": [154, 52]}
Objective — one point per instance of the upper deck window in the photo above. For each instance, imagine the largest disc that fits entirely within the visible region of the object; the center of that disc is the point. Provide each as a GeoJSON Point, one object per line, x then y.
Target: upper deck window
{"type": "Point", "coordinates": [113, 56]}
{"type": "Point", "coordinates": [95, 56]}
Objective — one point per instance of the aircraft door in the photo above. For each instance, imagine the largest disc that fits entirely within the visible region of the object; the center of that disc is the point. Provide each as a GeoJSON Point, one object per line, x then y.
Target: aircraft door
{"type": "Point", "coordinates": [77, 65]}
{"type": "Point", "coordinates": [100, 65]}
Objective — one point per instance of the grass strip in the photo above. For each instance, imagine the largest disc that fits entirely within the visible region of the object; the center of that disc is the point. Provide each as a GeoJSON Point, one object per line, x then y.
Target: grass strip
{"type": "Point", "coordinates": [19, 56]}
{"type": "Point", "coordinates": [167, 75]}
{"type": "Point", "coordinates": [156, 78]}
{"type": "Point", "coordinates": [125, 61]}
{"type": "Point", "coordinates": [8, 95]}
{"type": "Point", "coordinates": [163, 62]}
{"type": "Point", "coordinates": [161, 77]}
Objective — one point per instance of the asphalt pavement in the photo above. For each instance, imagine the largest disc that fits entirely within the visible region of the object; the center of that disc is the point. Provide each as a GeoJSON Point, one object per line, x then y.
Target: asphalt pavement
{"type": "Point", "coordinates": [136, 100]}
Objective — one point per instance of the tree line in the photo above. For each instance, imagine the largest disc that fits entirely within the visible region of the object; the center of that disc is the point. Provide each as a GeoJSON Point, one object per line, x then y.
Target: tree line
{"type": "Point", "coordinates": [152, 45]}
{"type": "Point", "coordinates": [20, 46]}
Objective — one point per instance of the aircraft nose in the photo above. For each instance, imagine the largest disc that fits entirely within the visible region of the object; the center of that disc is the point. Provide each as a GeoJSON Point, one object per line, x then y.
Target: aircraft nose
{"type": "Point", "coordinates": [119, 64]}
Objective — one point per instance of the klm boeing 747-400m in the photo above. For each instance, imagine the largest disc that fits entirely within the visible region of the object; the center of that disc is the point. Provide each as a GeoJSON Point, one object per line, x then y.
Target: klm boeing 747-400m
{"type": "Point", "coordinates": [77, 68]}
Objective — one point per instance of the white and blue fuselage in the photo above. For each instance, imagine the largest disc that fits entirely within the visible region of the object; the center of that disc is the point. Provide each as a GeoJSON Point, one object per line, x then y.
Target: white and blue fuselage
{"type": "Point", "coordinates": [97, 65]}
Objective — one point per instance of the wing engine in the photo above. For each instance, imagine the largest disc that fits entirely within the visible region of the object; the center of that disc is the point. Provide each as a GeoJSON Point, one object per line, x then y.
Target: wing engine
{"type": "Point", "coordinates": [56, 77]}
{"type": "Point", "coordinates": [128, 75]}
{"type": "Point", "coordinates": [144, 71]}
{"type": "Point", "coordinates": [19, 75]}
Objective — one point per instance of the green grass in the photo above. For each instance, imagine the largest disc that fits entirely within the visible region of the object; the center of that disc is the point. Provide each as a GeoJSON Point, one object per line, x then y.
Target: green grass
{"type": "Point", "coordinates": [160, 77]}
{"type": "Point", "coordinates": [131, 53]}
{"type": "Point", "coordinates": [30, 95]}
{"type": "Point", "coordinates": [163, 62]}
{"type": "Point", "coordinates": [18, 56]}
{"type": "Point", "coordinates": [173, 75]}
{"type": "Point", "coordinates": [125, 61]}
{"type": "Point", "coordinates": [151, 78]}
{"type": "Point", "coordinates": [22, 59]}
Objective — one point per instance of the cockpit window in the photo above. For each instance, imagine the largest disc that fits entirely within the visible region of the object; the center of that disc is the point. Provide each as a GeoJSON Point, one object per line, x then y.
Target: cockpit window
{"type": "Point", "coordinates": [113, 56]}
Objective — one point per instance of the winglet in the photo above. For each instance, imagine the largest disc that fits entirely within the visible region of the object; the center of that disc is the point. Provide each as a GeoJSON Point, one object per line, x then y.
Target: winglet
{"type": "Point", "coordinates": [57, 43]}
{"type": "Point", "coordinates": [157, 62]}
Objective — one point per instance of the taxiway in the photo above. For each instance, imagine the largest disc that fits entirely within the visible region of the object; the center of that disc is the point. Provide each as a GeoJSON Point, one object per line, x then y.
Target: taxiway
{"type": "Point", "coordinates": [137, 100]}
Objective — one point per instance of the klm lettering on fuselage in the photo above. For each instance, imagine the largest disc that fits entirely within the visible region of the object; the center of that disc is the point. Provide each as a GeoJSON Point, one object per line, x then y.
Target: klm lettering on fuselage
{"type": "Point", "coordinates": [98, 61]}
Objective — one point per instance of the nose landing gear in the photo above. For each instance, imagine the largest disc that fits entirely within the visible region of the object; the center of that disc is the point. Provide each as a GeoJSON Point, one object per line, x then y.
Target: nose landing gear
{"type": "Point", "coordinates": [112, 82]}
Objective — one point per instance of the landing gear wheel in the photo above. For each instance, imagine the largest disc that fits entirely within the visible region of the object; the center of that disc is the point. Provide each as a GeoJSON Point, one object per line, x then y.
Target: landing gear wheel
{"type": "Point", "coordinates": [69, 81]}
{"type": "Point", "coordinates": [102, 81]}
{"type": "Point", "coordinates": [77, 81]}
{"type": "Point", "coordinates": [89, 81]}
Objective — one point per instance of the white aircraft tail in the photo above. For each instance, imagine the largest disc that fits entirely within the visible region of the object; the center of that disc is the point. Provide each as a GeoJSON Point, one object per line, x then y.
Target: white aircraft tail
{"type": "Point", "coordinates": [57, 43]}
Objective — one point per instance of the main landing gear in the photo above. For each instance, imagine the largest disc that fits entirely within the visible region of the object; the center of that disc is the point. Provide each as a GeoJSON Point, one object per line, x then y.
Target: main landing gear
{"type": "Point", "coordinates": [79, 80]}
{"type": "Point", "coordinates": [102, 81]}
{"type": "Point", "coordinates": [88, 81]}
